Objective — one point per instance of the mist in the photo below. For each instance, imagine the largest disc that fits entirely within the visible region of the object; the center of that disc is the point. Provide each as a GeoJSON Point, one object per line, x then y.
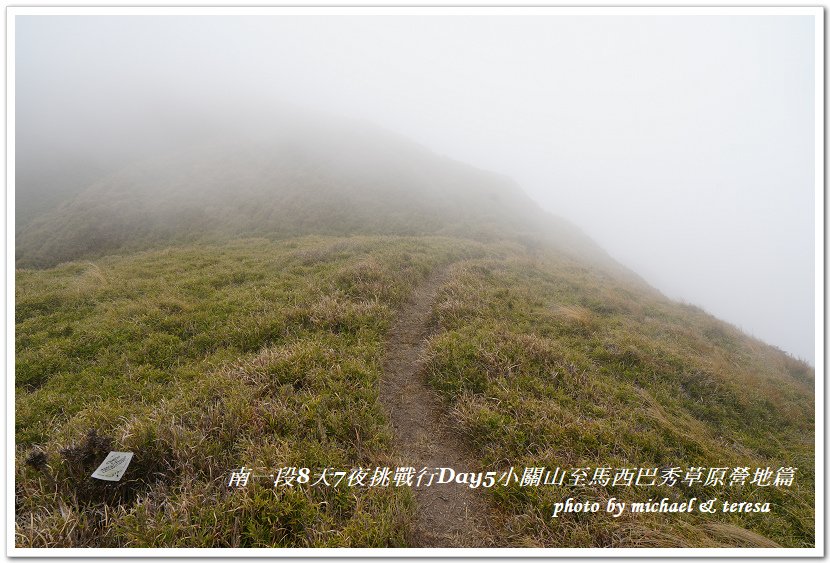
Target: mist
{"type": "Point", "coordinates": [684, 146]}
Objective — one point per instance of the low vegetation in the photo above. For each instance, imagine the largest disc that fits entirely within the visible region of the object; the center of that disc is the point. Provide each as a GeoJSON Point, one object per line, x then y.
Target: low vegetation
{"type": "Point", "coordinates": [201, 359]}
{"type": "Point", "coordinates": [545, 363]}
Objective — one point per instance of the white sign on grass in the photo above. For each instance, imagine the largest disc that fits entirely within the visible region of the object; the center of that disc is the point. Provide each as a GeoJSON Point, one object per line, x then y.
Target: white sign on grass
{"type": "Point", "coordinates": [114, 466]}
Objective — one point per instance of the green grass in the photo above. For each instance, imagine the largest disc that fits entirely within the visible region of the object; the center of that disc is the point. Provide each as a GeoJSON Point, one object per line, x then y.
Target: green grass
{"type": "Point", "coordinates": [545, 363]}
{"type": "Point", "coordinates": [268, 354]}
{"type": "Point", "coordinates": [200, 360]}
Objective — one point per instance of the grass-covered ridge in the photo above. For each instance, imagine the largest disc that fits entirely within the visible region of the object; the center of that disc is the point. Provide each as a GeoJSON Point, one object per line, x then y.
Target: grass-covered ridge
{"type": "Point", "coordinates": [200, 360]}
{"type": "Point", "coordinates": [544, 363]}
{"type": "Point", "coordinates": [203, 358]}
{"type": "Point", "coordinates": [297, 177]}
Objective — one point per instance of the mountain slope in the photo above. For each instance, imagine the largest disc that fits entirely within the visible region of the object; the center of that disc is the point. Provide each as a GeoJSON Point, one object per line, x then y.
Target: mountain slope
{"type": "Point", "coordinates": [299, 177]}
{"type": "Point", "coordinates": [240, 302]}
{"type": "Point", "coordinates": [202, 359]}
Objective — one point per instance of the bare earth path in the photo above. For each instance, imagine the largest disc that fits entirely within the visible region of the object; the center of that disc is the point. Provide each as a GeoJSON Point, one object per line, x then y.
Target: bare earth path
{"type": "Point", "coordinates": [449, 515]}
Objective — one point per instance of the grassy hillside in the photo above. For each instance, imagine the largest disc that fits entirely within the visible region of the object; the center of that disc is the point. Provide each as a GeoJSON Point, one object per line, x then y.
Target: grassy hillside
{"type": "Point", "coordinates": [545, 363]}
{"type": "Point", "coordinates": [298, 177]}
{"type": "Point", "coordinates": [201, 360]}
{"type": "Point", "coordinates": [264, 353]}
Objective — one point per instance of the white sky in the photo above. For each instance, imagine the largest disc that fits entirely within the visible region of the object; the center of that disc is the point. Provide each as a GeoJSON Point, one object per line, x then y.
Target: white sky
{"type": "Point", "coordinates": [683, 145]}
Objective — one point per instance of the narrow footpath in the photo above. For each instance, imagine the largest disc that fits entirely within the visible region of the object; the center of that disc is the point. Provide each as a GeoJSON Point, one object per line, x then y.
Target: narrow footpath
{"type": "Point", "coordinates": [449, 515]}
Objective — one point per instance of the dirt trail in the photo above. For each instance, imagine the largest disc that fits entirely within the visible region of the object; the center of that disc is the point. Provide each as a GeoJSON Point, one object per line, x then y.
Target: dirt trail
{"type": "Point", "coordinates": [449, 515]}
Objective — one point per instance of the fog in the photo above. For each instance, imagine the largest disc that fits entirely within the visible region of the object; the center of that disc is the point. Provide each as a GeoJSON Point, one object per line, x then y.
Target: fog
{"type": "Point", "coordinates": [684, 146]}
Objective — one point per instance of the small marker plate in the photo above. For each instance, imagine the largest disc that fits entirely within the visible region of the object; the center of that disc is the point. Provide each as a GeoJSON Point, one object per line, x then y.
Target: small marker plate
{"type": "Point", "coordinates": [114, 466]}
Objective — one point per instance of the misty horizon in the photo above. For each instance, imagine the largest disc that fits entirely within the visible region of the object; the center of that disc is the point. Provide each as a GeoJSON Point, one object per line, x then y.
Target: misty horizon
{"type": "Point", "coordinates": [691, 165]}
